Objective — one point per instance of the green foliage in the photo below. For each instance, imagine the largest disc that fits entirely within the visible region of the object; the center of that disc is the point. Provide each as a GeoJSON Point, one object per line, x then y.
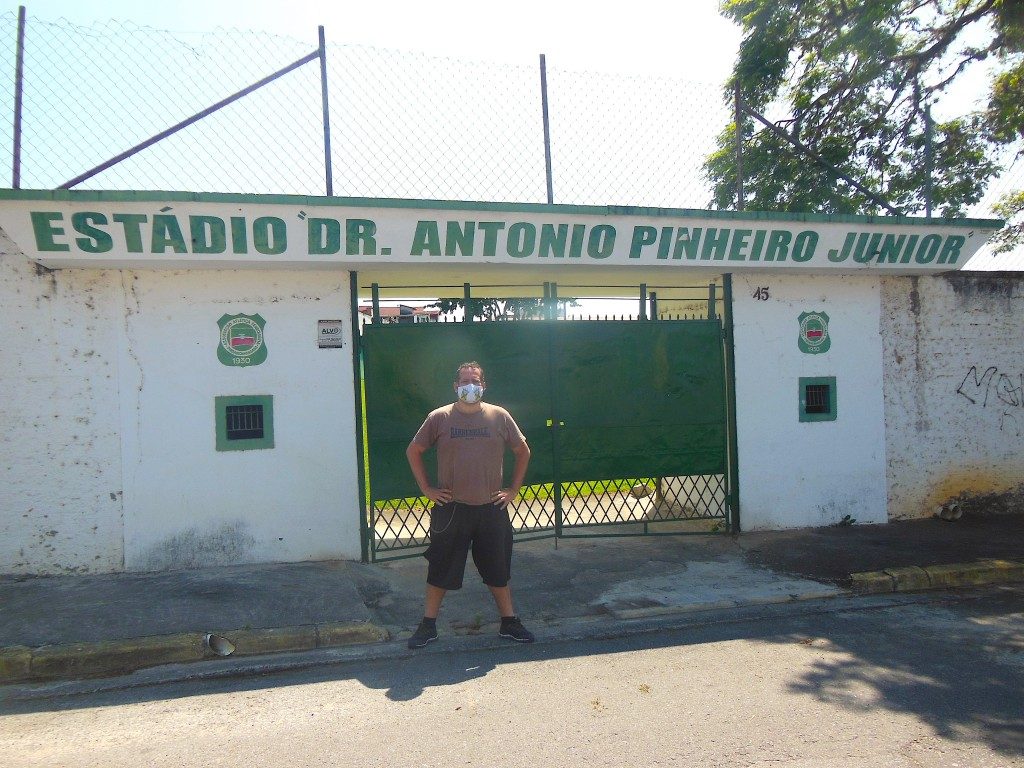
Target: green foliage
{"type": "Point", "coordinates": [853, 79]}
{"type": "Point", "coordinates": [1011, 208]}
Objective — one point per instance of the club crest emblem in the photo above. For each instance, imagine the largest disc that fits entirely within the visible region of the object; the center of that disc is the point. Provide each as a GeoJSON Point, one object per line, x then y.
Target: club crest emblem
{"type": "Point", "coordinates": [241, 340]}
{"type": "Point", "coordinates": [814, 338]}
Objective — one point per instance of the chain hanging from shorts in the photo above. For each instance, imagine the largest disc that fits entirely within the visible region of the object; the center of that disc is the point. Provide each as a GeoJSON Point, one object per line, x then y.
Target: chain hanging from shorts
{"type": "Point", "coordinates": [432, 530]}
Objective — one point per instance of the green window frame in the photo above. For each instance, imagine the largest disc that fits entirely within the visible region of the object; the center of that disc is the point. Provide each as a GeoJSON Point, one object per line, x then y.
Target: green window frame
{"type": "Point", "coordinates": [817, 398]}
{"type": "Point", "coordinates": [244, 422]}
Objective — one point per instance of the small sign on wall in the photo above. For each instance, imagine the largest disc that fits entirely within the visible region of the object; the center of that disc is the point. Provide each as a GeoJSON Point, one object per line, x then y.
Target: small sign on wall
{"type": "Point", "coordinates": [329, 334]}
{"type": "Point", "coordinates": [814, 338]}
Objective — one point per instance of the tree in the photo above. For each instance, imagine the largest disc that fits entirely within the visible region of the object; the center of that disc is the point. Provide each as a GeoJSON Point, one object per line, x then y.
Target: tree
{"type": "Point", "coordinates": [504, 309]}
{"type": "Point", "coordinates": [854, 80]}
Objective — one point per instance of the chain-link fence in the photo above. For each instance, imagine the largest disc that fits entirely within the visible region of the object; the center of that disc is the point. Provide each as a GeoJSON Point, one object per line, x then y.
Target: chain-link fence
{"type": "Point", "coordinates": [402, 125]}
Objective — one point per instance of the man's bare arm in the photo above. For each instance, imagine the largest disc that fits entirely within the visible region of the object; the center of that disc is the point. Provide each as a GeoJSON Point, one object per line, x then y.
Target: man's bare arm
{"type": "Point", "coordinates": [414, 453]}
{"type": "Point", "coordinates": [506, 495]}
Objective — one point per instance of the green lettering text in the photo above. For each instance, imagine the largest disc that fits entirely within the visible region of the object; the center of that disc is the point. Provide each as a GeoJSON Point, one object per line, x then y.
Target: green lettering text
{"type": "Point", "coordinates": [426, 239]}
{"type": "Point", "coordinates": [167, 234]}
{"type": "Point", "coordinates": [269, 235]}
{"type": "Point", "coordinates": [42, 226]}
{"type": "Point", "coordinates": [323, 236]}
{"type": "Point", "coordinates": [641, 236]}
{"type": "Point", "coordinates": [208, 234]}
{"type": "Point", "coordinates": [95, 240]}
{"type": "Point", "coordinates": [360, 237]}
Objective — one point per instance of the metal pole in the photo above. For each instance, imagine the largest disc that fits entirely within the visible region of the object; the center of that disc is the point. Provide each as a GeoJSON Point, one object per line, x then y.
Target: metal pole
{"type": "Point", "coordinates": [19, 81]}
{"type": "Point", "coordinates": [189, 121]}
{"type": "Point", "coordinates": [467, 315]}
{"type": "Point", "coordinates": [357, 385]}
{"type": "Point", "coordinates": [711, 301]}
{"type": "Point", "coordinates": [730, 405]}
{"type": "Point", "coordinates": [654, 305]}
{"type": "Point", "coordinates": [328, 168]}
{"type": "Point", "coordinates": [928, 161]}
{"type": "Point", "coordinates": [547, 127]}
{"type": "Point", "coordinates": [739, 146]}
{"type": "Point", "coordinates": [375, 301]}
{"type": "Point", "coordinates": [643, 301]}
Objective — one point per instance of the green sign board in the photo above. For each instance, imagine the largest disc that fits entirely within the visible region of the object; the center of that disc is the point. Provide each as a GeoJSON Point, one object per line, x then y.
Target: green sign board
{"type": "Point", "coordinates": [187, 230]}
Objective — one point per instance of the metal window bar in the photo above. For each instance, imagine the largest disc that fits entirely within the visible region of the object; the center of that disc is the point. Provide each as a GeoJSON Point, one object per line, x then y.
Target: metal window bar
{"type": "Point", "coordinates": [817, 398]}
{"type": "Point", "coordinates": [244, 422]}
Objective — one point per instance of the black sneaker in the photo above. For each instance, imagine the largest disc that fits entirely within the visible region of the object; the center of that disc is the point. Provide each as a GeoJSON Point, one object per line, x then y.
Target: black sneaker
{"type": "Point", "coordinates": [425, 633]}
{"type": "Point", "coordinates": [514, 630]}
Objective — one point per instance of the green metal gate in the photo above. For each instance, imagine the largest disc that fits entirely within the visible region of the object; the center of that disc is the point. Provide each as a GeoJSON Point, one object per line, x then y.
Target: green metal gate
{"type": "Point", "coordinates": [626, 422]}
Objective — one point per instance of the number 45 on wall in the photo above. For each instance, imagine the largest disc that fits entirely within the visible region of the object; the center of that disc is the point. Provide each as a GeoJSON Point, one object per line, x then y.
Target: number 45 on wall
{"type": "Point", "coordinates": [761, 294]}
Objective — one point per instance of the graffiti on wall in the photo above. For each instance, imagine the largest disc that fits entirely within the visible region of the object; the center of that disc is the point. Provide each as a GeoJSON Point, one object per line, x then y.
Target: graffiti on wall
{"type": "Point", "coordinates": [996, 389]}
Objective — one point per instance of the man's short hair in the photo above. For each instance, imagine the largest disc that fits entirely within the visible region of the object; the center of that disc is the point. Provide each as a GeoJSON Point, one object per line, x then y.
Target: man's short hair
{"type": "Point", "coordinates": [470, 364]}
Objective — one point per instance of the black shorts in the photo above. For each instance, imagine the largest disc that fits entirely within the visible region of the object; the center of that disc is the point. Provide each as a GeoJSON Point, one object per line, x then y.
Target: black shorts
{"type": "Point", "coordinates": [455, 528]}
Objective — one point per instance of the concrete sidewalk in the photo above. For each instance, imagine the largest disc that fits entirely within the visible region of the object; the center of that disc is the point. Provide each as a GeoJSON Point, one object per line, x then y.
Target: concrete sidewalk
{"type": "Point", "coordinates": [85, 626]}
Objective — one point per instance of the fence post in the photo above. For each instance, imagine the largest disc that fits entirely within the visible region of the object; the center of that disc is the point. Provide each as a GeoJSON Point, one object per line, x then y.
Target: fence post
{"type": "Point", "coordinates": [328, 168]}
{"type": "Point", "coordinates": [19, 81]}
{"type": "Point", "coordinates": [375, 302]}
{"type": "Point", "coordinates": [928, 161]}
{"type": "Point", "coordinates": [547, 128]}
{"type": "Point", "coordinates": [738, 112]}
{"type": "Point", "coordinates": [467, 300]}
{"type": "Point", "coordinates": [733, 482]}
{"type": "Point", "coordinates": [358, 386]}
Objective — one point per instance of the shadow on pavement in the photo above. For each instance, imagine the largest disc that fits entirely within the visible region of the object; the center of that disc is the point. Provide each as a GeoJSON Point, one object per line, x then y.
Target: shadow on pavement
{"type": "Point", "coordinates": [954, 662]}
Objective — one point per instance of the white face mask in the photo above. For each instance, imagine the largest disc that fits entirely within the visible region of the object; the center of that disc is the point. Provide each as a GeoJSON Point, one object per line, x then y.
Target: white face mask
{"type": "Point", "coordinates": [470, 393]}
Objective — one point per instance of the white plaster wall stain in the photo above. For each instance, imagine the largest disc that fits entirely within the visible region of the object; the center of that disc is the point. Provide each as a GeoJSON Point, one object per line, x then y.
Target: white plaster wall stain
{"type": "Point", "coordinates": [60, 479]}
{"type": "Point", "coordinates": [228, 543]}
{"type": "Point", "coordinates": [968, 447]}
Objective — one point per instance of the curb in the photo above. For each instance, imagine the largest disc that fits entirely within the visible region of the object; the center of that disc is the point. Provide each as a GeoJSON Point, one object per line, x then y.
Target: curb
{"type": "Point", "coordinates": [671, 610]}
{"type": "Point", "coordinates": [567, 632]}
{"type": "Point", "coordinates": [912, 578]}
{"type": "Point", "coordinates": [119, 657]}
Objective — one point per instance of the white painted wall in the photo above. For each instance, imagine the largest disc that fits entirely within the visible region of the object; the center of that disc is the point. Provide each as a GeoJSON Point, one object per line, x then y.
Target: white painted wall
{"type": "Point", "coordinates": [188, 505]}
{"type": "Point", "coordinates": [107, 387]}
{"type": "Point", "coordinates": [108, 380]}
{"type": "Point", "coordinates": [954, 395]}
{"type": "Point", "coordinates": [60, 447]}
{"type": "Point", "coordinates": [795, 474]}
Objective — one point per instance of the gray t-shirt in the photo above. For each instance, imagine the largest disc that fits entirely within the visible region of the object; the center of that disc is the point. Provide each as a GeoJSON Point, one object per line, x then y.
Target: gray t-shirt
{"type": "Point", "coordinates": [470, 449]}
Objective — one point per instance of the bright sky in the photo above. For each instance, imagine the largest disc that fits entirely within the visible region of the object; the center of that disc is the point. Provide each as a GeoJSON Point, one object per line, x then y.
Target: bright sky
{"type": "Point", "coordinates": [685, 39]}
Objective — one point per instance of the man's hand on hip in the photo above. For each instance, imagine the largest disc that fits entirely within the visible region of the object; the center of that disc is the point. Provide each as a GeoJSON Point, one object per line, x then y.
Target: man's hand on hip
{"type": "Point", "coordinates": [503, 497]}
{"type": "Point", "coordinates": [437, 495]}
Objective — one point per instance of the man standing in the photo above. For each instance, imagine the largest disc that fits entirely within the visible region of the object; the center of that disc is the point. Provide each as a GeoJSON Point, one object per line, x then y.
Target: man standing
{"type": "Point", "coordinates": [469, 502]}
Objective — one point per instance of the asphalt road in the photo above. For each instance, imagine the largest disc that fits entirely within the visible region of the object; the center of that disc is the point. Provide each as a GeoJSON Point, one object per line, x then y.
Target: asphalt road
{"type": "Point", "coordinates": [932, 680]}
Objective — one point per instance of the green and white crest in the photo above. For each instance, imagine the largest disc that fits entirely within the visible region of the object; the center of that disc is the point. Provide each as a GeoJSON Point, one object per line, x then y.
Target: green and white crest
{"type": "Point", "coordinates": [241, 340]}
{"type": "Point", "coordinates": [814, 338]}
